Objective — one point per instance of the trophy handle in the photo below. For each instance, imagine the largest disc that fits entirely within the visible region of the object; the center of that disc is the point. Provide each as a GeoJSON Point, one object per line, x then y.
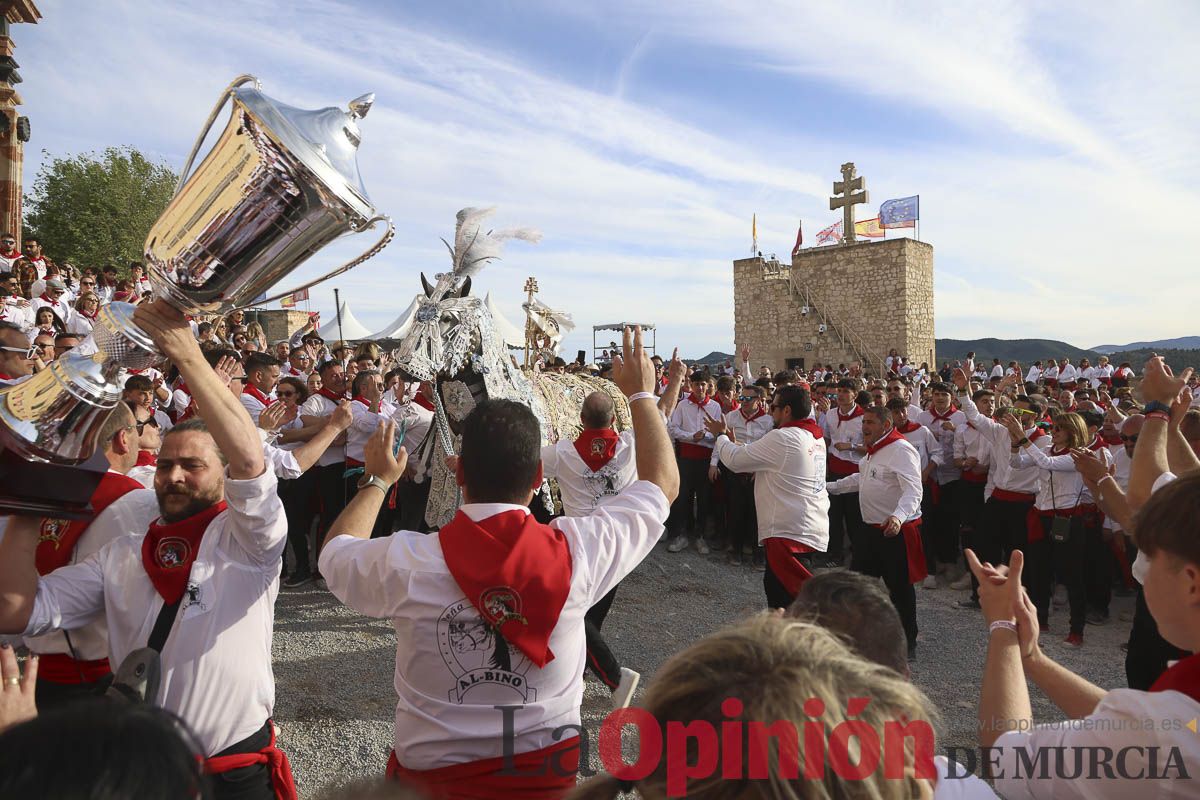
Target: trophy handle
{"type": "Point", "coordinates": [225, 95]}
{"type": "Point", "coordinates": [383, 242]}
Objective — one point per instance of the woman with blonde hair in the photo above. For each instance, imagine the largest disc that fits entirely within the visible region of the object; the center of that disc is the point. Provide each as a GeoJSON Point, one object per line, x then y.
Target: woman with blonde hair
{"type": "Point", "coordinates": [810, 718]}
{"type": "Point", "coordinates": [1067, 518]}
{"type": "Point", "coordinates": [86, 308]}
{"type": "Point", "coordinates": [256, 334]}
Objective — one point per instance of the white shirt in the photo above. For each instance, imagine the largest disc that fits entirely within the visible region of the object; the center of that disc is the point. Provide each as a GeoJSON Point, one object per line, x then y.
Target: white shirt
{"type": "Point", "coordinates": [1060, 486]}
{"type": "Point", "coordinates": [582, 489]}
{"type": "Point", "coordinates": [216, 663]}
{"type": "Point", "coordinates": [318, 405]}
{"type": "Point", "coordinates": [789, 483]}
{"type": "Point", "coordinates": [1119, 724]}
{"type": "Point", "coordinates": [446, 711]}
{"type": "Point", "coordinates": [998, 371]}
{"type": "Point", "coordinates": [1067, 373]}
{"type": "Point", "coordinates": [969, 443]}
{"type": "Point", "coordinates": [946, 471]}
{"type": "Point", "coordinates": [1051, 372]}
{"type": "Point", "coordinates": [1122, 468]}
{"type": "Point", "coordinates": [746, 431]}
{"type": "Point", "coordinates": [417, 421]}
{"type": "Point", "coordinates": [252, 404]}
{"type": "Point", "coordinates": [90, 641]}
{"type": "Point", "coordinates": [18, 311]}
{"type": "Point", "coordinates": [365, 423]}
{"type": "Point", "coordinates": [143, 475]}
{"type": "Point", "coordinates": [837, 430]}
{"type": "Point", "coordinates": [1089, 375]}
{"type": "Point", "coordinates": [1002, 473]}
{"type": "Point", "coordinates": [1035, 372]}
{"type": "Point", "coordinates": [888, 483]}
{"type": "Point", "coordinates": [61, 307]}
{"type": "Point", "coordinates": [688, 418]}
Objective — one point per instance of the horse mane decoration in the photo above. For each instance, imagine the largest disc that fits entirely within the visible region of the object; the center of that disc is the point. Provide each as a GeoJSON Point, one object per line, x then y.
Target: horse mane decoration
{"type": "Point", "coordinates": [453, 344]}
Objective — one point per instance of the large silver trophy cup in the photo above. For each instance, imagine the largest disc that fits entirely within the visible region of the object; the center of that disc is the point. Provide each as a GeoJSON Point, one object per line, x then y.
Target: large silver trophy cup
{"type": "Point", "coordinates": [279, 184]}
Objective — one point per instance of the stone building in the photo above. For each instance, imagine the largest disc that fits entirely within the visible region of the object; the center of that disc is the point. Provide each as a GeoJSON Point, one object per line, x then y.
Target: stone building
{"type": "Point", "coordinates": [14, 128]}
{"type": "Point", "coordinates": [837, 304]}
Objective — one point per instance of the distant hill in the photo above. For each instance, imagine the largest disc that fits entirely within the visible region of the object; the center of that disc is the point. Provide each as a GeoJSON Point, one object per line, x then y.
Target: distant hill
{"type": "Point", "coordinates": [1182, 343]}
{"type": "Point", "coordinates": [1024, 350]}
{"type": "Point", "coordinates": [715, 357]}
{"type": "Point", "coordinates": [1176, 359]}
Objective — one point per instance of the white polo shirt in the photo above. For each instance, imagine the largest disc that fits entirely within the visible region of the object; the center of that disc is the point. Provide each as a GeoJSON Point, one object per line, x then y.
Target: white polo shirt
{"type": "Point", "coordinates": [216, 663]}
{"type": "Point", "coordinates": [581, 488]}
{"type": "Point", "coordinates": [318, 405]}
{"type": "Point", "coordinates": [888, 483]}
{"type": "Point", "coordinates": [447, 684]}
{"type": "Point", "coordinates": [789, 483]}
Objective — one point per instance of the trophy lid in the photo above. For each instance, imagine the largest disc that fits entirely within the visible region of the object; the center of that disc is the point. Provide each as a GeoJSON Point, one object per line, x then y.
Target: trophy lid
{"type": "Point", "coordinates": [324, 140]}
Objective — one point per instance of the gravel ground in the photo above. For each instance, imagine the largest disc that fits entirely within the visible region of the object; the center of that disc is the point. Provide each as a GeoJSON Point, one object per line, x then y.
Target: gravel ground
{"type": "Point", "coordinates": [333, 668]}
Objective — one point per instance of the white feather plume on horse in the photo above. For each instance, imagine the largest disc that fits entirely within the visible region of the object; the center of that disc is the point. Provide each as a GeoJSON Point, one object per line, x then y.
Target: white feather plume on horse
{"type": "Point", "coordinates": [473, 247]}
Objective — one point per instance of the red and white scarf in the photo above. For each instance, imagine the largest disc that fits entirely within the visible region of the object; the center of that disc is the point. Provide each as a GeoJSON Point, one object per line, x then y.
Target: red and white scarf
{"type": "Point", "coordinates": [58, 537]}
{"type": "Point", "coordinates": [170, 548]}
{"type": "Point", "coordinates": [515, 571]}
{"type": "Point", "coordinates": [256, 393]}
{"type": "Point", "coordinates": [596, 446]}
{"type": "Point", "coordinates": [854, 414]}
{"type": "Point", "coordinates": [891, 437]}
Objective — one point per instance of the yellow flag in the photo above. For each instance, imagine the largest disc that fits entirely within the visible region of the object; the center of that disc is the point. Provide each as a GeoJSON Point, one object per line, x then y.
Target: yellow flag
{"type": "Point", "coordinates": [869, 228]}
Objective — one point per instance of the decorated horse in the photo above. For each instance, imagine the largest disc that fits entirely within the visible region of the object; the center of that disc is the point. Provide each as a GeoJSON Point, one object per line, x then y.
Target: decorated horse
{"type": "Point", "coordinates": [453, 344]}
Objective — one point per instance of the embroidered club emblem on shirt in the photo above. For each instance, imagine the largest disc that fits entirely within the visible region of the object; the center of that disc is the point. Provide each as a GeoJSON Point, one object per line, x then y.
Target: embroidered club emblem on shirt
{"type": "Point", "coordinates": [598, 445]}
{"type": "Point", "coordinates": [52, 531]}
{"type": "Point", "coordinates": [502, 605]}
{"type": "Point", "coordinates": [172, 552]}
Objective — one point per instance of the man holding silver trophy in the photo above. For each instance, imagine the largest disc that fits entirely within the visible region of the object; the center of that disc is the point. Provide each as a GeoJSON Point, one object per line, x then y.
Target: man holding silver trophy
{"type": "Point", "coordinates": [189, 597]}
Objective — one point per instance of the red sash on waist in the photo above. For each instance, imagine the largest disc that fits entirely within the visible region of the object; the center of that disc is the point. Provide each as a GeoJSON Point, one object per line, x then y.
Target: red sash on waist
{"type": "Point", "coordinates": [354, 462]}
{"type": "Point", "coordinates": [1008, 496]}
{"type": "Point", "coordinates": [978, 478]}
{"type": "Point", "coordinates": [546, 774]}
{"type": "Point", "coordinates": [914, 551]}
{"type": "Point", "coordinates": [694, 451]}
{"type": "Point", "coordinates": [781, 558]}
{"type": "Point", "coordinates": [281, 770]}
{"type": "Point", "coordinates": [934, 490]}
{"type": "Point", "coordinates": [840, 466]}
{"type": "Point", "coordinates": [62, 669]}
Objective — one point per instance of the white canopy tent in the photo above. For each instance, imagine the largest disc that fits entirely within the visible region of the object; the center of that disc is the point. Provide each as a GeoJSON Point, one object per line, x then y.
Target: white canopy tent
{"type": "Point", "coordinates": [351, 329]}
{"type": "Point", "coordinates": [513, 336]}
{"type": "Point", "coordinates": [400, 324]}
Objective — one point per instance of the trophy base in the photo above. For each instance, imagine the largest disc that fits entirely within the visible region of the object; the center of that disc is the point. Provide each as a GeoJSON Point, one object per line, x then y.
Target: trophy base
{"type": "Point", "coordinates": [39, 488]}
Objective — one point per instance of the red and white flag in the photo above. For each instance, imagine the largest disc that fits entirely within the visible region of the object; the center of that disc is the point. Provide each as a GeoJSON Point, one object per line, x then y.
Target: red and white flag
{"type": "Point", "coordinates": [831, 234]}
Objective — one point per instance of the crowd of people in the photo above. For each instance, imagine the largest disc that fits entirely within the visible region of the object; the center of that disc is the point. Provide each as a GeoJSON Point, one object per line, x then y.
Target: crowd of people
{"type": "Point", "coordinates": [244, 465]}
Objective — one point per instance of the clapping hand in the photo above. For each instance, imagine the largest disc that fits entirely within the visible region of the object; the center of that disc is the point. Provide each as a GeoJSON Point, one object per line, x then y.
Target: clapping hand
{"type": "Point", "coordinates": [276, 415]}
{"type": "Point", "coordinates": [715, 426]}
{"type": "Point", "coordinates": [1014, 427]}
{"type": "Point", "coordinates": [1090, 466]}
{"type": "Point", "coordinates": [1002, 597]}
{"type": "Point", "coordinates": [378, 457]}
{"type": "Point", "coordinates": [226, 368]}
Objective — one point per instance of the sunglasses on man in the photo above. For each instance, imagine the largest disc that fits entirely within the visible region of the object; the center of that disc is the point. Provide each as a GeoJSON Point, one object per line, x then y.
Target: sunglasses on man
{"type": "Point", "coordinates": [152, 422]}
{"type": "Point", "coordinates": [33, 351]}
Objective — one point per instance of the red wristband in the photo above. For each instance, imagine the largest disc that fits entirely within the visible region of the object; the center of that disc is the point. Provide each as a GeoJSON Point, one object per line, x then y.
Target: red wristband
{"type": "Point", "coordinates": [1164, 416]}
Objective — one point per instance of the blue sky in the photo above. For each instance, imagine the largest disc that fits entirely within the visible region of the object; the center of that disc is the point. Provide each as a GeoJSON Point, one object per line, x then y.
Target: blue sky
{"type": "Point", "coordinates": [1054, 146]}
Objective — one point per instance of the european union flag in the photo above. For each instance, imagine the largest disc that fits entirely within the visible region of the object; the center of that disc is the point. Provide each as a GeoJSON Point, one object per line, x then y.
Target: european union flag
{"type": "Point", "coordinates": [902, 212]}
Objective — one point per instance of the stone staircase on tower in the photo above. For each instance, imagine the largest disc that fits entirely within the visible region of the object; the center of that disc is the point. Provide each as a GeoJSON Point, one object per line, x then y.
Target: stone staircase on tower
{"type": "Point", "coordinates": [837, 326]}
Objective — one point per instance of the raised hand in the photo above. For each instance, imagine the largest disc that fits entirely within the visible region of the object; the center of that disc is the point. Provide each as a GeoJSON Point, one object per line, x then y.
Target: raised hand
{"type": "Point", "coordinates": [745, 353]}
{"type": "Point", "coordinates": [1159, 383]}
{"type": "Point", "coordinates": [227, 368]}
{"type": "Point", "coordinates": [342, 417]}
{"type": "Point", "coordinates": [275, 416]}
{"type": "Point", "coordinates": [1091, 467]}
{"type": "Point", "coordinates": [378, 458]}
{"type": "Point", "coordinates": [1014, 427]}
{"type": "Point", "coordinates": [1000, 592]}
{"type": "Point", "coordinates": [961, 379]}
{"type": "Point", "coordinates": [677, 368]}
{"type": "Point", "coordinates": [632, 370]}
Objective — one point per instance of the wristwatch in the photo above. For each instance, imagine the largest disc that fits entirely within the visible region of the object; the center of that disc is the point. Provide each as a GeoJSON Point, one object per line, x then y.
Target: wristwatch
{"type": "Point", "coordinates": [373, 480]}
{"type": "Point", "coordinates": [1155, 405]}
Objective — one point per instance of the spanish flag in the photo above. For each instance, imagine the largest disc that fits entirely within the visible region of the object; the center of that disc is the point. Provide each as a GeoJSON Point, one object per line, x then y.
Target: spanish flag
{"type": "Point", "coordinates": [870, 229]}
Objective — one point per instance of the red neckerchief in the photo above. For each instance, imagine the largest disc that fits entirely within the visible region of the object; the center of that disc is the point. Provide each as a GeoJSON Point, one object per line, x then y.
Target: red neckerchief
{"type": "Point", "coordinates": [295, 373]}
{"type": "Point", "coordinates": [699, 403]}
{"type": "Point", "coordinates": [256, 393]}
{"type": "Point", "coordinates": [516, 572]}
{"type": "Point", "coordinates": [1183, 676]}
{"type": "Point", "coordinates": [1097, 444]}
{"type": "Point", "coordinates": [183, 387]}
{"type": "Point", "coordinates": [423, 401]}
{"type": "Point", "coordinates": [1035, 435]}
{"type": "Point", "coordinates": [4, 376]}
{"type": "Point", "coordinates": [734, 405]}
{"type": "Point", "coordinates": [57, 538]}
{"type": "Point", "coordinates": [358, 398]}
{"type": "Point", "coordinates": [91, 316]}
{"type": "Point", "coordinates": [146, 459]}
{"type": "Point", "coordinates": [857, 412]}
{"type": "Point", "coordinates": [762, 412]}
{"type": "Point", "coordinates": [48, 299]}
{"type": "Point", "coordinates": [908, 427]}
{"type": "Point", "coordinates": [809, 425]}
{"type": "Point", "coordinates": [329, 393]}
{"type": "Point", "coordinates": [941, 417]}
{"type": "Point", "coordinates": [892, 436]}
{"type": "Point", "coordinates": [596, 446]}
{"type": "Point", "coordinates": [170, 548]}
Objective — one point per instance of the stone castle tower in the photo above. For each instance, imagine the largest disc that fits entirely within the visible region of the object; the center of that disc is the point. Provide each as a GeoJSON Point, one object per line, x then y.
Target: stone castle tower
{"type": "Point", "coordinates": [862, 299]}
{"type": "Point", "coordinates": [14, 128]}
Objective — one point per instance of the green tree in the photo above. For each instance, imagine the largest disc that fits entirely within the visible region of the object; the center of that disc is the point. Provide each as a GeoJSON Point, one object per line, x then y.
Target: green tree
{"type": "Point", "coordinates": [94, 209]}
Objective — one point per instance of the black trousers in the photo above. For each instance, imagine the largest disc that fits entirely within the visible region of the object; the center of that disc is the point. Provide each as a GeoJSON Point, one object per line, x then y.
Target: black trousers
{"type": "Point", "coordinates": [939, 532]}
{"type": "Point", "coordinates": [1068, 560]}
{"type": "Point", "coordinates": [296, 496]}
{"type": "Point", "coordinates": [693, 486]}
{"type": "Point", "coordinates": [1101, 566]}
{"type": "Point", "coordinates": [1003, 527]}
{"type": "Point", "coordinates": [1148, 652]}
{"type": "Point", "coordinates": [411, 500]}
{"type": "Point", "coordinates": [844, 519]}
{"type": "Point", "coordinates": [777, 594]}
{"type": "Point", "coordinates": [50, 696]}
{"type": "Point", "coordinates": [886, 557]}
{"type": "Point", "coordinates": [600, 658]}
{"type": "Point", "coordinates": [331, 488]}
{"type": "Point", "coordinates": [742, 516]}
{"type": "Point", "coordinates": [246, 783]}
{"type": "Point", "coordinates": [970, 506]}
